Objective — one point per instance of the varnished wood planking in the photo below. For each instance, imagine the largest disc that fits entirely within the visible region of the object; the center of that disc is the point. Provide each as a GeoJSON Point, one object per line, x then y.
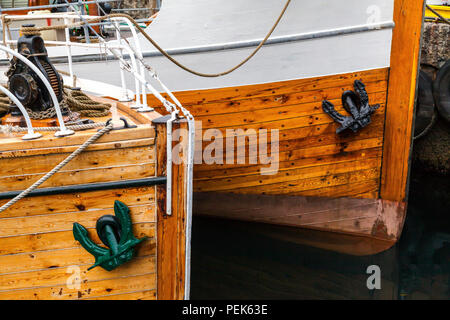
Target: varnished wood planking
{"type": "Point", "coordinates": [64, 203]}
{"type": "Point", "coordinates": [48, 259]}
{"type": "Point", "coordinates": [362, 189]}
{"type": "Point", "coordinates": [120, 163]}
{"type": "Point", "coordinates": [285, 176]}
{"type": "Point", "coordinates": [284, 147]}
{"type": "Point", "coordinates": [408, 18]}
{"type": "Point", "coordinates": [86, 160]}
{"type": "Point", "coordinates": [36, 239]}
{"type": "Point", "coordinates": [291, 123]}
{"type": "Point", "coordinates": [31, 266]}
{"type": "Point", "coordinates": [307, 134]}
{"type": "Point", "coordinates": [312, 161]}
{"type": "Point", "coordinates": [297, 111]}
{"type": "Point", "coordinates": [44, 262]}
{"type": "Point", "coordinates": [164, 283]}
{"type": "Point", "coordinates": [372, 218]}
{"type": "Point", "coordinates": [307, 104]}
{"type": "Point", "coordinates": [49, 141]}
{"type": "Point", "coordinates": [272, 89]}
{"type": "Point", "coordinates": [50, 264]}
{"type": "Point", "coordinates": [69, 149]}
{"type": "Point", "coordinates": [302, 213]}
{"type": "Point", "coordinates": [180, 200]}
{"type": "Point", "coordinates": [326, 217]}
{"type": "Point", "coordinates": [87, 290]}
{"type": "Point", "coordinates": [64, 221]}
{"type": "Point", "coordinates": [309, 100]}
{"type": "Point", "coordinates": [297, 186]}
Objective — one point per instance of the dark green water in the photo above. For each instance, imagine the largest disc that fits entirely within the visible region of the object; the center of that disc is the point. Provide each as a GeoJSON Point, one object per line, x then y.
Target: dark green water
{"type": "Point", "coordinates": [235, 260]}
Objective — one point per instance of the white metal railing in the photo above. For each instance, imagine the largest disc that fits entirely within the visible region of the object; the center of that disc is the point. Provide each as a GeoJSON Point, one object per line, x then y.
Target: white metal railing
{"type": "Point", "coordinates": [119, 44]}
{"type": "Point", "coordinates": [63, 131]}
{"type": "Point", "coordinates": [139, 70]}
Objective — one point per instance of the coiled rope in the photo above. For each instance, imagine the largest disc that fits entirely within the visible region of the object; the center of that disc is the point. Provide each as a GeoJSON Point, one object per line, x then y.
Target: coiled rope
{"type": "Point", "coordinates": [24, 193]}
{"type": "Point", "coordinates": [31, 30]}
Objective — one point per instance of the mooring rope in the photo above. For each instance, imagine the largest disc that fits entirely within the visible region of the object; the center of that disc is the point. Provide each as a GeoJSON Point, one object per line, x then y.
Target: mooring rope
{"type": "Point", "coordinates": [7, 129]}
{"type": "Point", "coordinates": [4, 104]}
{"type": "Point", "coordinates": [24, 193]}
{"type": "Point", "coordinates": [74, 100]}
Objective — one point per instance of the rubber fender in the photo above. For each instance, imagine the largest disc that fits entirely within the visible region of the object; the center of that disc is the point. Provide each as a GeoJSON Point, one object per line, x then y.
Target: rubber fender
{"type": "Point", "coordinates": [441, 91]}
{"type": "Point", "coordinates": [426, 113]}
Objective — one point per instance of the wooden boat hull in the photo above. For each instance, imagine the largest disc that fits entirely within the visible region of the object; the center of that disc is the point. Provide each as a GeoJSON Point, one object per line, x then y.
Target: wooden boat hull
{"type": "Point", "coordinates": [39, 257]}
{"type": "Point", "coordinates": [346, 225]}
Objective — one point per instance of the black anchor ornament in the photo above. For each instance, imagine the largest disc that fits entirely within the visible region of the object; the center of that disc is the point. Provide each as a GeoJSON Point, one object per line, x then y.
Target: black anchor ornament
{"type": "Point", "coordinates": [356, 103]}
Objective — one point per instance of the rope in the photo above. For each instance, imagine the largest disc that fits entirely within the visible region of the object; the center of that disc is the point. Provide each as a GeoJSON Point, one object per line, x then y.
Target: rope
{"type": "Point", "coordinates": [4, 104]}
{"type": "Point", "coordinates": [33, 30]}
{"type": "Point", "coordinates": [24, 193]}
{"type": "Point", "coordinates": [6, 129]}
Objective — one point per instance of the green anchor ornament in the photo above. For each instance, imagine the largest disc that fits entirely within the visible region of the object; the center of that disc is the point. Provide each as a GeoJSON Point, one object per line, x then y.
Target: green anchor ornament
{"type": "Point", "coordinates": [116, 233]}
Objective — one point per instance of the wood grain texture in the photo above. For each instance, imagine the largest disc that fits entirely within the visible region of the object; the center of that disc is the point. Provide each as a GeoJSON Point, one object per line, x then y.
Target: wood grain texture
{"type": "Point", "coordinates": [408, 18]}
{"type": "Point", "coordinates": [139, 295]}
{"type": "Point", "coordinates": [39, 257]}
{"type": "Point", "coordinates": [201, 97]}
{"type": "Point", "coordinates": [310, 155]}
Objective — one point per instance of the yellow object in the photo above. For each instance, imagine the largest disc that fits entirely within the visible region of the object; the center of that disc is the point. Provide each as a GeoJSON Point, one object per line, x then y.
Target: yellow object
{"type": "Point", "coordinates": [442, 10]}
